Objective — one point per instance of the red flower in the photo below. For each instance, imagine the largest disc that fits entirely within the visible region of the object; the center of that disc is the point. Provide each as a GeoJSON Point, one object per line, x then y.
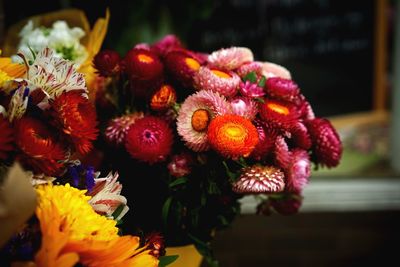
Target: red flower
{"type": "Point", "coordinates": [182, 66]}
{"type": "Point", "coordinates": [75, 116]}
{"type": "Point", "coordinates": [107, 62]}
{"type": "Point", "coordinates": [145, 71]}
{"type": "Point", "coordinates": [168, 43]}
{"type": "Point", "coordinates": [40, 150]}
{"type": "Point", "coordinates": [327, 147]}
{"type": "Point", "coordinates": [6, 138]}
{"type": "Point", "coordinates": [149, 139]}
{"type": "Point", "coordinates": [287, 205]}
{"type": "Point", "coordinates": [279, 113]}
{"type": "Point", "coordinates": [267, 136]}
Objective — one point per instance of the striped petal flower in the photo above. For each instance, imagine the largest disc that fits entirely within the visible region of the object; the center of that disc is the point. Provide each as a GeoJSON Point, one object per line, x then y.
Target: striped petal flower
{"type": "Point", "coordinates": [260, 179]}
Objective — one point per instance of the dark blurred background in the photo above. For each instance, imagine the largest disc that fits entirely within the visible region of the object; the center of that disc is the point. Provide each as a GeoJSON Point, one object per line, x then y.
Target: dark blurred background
{"type": "Point", "coordinates": [340, 53]}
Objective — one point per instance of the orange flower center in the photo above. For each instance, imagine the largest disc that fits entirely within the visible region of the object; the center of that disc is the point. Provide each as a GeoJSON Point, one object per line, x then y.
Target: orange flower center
{"type": "Point", "coordinates": [200, 120]}
{"type": "Point", "coordinates": [233, 132]}
{"type": "Point", "coordinates": [192, 63]}
{"type": "Point", "coordinates": [278, 108]}
{"type": "Point", "coordinates": [163, 98]}
{"type": "Point", "coordinates": [221, 74]}
{"type": "Point", "coordinates": [145, 59]}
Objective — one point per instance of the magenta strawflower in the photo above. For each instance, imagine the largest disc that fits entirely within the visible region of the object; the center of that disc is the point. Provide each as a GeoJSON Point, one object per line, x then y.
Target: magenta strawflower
{"type": "Point", "coordinates": [283, 156]}
{"type": "Point", "coordinates": [327, 147]}
{"type": "Point", "coordinates": [283, 89]}
{"type": "Point", "coordinates": [149, 139]}
{"type": "Point", "coordinates": [250, 89]}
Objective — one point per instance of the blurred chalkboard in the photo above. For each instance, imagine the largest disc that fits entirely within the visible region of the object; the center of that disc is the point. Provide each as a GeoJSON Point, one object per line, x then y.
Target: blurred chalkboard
{"type": "Point", "coordinates": [327, 45]}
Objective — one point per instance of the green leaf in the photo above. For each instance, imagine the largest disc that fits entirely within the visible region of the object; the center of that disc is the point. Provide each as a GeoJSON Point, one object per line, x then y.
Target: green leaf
{"type": "Point", "coordinates": [259, 99]}
{"type": "Point", "coordinates": [223, 220]}
{"type": "Point", "coordinates": [213, 189]}
{"type": "Point", "coordinates": [200, 245]}
{"type": "Point", "coordinates": [251, 76]}
{"type": "Point", "coordinates": [181, 180]}
{"type": "Point", "coordinates": [166, 260]}
{"type": "Point", "coordinates": [231, 175]}
{"type": "Point", "coordinates": [118, 211]}
{"type": "Point", "coordinates": [261, 83]}
{"type": "Point", "coordinates": [165, 210]}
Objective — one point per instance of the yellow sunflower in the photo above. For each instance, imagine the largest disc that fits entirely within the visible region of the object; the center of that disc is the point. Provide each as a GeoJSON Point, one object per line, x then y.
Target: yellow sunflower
{"type": "Point", "coordinates": [73, 232]}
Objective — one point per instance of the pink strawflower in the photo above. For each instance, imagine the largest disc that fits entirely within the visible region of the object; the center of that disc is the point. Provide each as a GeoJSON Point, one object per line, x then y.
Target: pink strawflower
{"type": "Point", "coordinates": [260, 179]}
{"type": "Point", "coordinates": [106, 196]}
{"type": "Point", "coordinates": [244, 107]}
{"type": "Point", "coordinates": [230, 58]}
{"type": "Point", "coordinates": [180, 165]}
{"type": "Point", "coordinates": [224, 82]}
{"type": "Point", "coordinates": [270, 69]}
{"type": "Point", "coordinates": [195, 114]}
{"type": "Point", "coordinates": [149, 139]}
{"type": "Point", "coordinates": [117, 128]}
{"type": "Point", "coordinates": [250, 89]}
{"type": "Point", "coordinates": [255, 66]}
{"type": "Point", "coordinates": [298, 172]}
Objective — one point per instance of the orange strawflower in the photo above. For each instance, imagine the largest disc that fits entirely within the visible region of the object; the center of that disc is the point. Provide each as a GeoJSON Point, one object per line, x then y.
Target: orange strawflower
{"type": "Point", "coordinates": [232, 136]}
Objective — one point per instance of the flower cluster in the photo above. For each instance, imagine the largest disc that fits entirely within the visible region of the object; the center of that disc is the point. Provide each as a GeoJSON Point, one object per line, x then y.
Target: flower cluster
{"type": "Point", "coordinates": [48, 124]}
{"type": "Point", "coordinates": [209, 129]}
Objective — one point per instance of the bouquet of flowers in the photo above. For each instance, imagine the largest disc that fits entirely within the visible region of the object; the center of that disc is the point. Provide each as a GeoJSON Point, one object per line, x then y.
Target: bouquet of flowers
{"type": "Point", "coordinates": [192, 133]}
{"type": "Point", "coordinates": [48, 124]}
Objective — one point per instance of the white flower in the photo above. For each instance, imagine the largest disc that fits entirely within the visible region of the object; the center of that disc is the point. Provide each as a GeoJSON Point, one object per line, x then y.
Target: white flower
{"type": "Point", "coordinates": [106, 196]}
{"type": "Point", "coordinates": [64, 40]}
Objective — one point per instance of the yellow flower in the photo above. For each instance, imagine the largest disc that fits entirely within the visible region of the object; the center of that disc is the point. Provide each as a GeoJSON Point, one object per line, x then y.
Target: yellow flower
{"type": "Point", "coordinates": [9, 70]}
{"type": "Point", "coordinates": [73, 232]}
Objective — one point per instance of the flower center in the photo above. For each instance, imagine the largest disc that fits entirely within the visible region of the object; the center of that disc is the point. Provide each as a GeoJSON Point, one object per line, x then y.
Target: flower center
{"type": "Point", "coordinates": [145, 59]}
{"type": "Point", "coordinates": [233, 131]}
{"type": "Point", "coordinates": [192, 63]}
{"type": "Point", "coordinates": [200, 120]}
{"type": "Point", "coordinates": [221, 74]}
{"type": "Point", "coordinates": [278, 108]}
